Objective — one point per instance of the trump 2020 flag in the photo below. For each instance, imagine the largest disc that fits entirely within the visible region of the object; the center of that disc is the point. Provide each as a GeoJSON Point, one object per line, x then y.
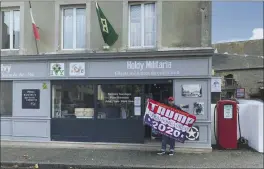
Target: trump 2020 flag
{"type": "Point", "coordinates": [34, 26]}
{"type": "Point", "coordinates": [108, 32]}
{"type": "Point", "coordinates": [168, 121]}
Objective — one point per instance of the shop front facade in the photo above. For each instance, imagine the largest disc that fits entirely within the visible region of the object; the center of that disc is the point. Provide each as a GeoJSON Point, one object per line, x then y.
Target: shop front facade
{"type": "Point", "coordinates": [101, 98]}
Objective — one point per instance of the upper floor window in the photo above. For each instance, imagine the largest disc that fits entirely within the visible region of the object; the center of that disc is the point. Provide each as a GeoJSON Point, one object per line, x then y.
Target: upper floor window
{"type": "Point", "coordinates": [142, 25]}
{"type": "Point", "coordinates": [73, 28]}
{"type": "Point", "coordinates": [10, 29]}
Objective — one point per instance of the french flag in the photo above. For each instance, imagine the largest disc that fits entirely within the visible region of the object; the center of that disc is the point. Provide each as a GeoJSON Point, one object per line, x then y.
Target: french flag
{"type": "Point", "coordinates": [34, 26]}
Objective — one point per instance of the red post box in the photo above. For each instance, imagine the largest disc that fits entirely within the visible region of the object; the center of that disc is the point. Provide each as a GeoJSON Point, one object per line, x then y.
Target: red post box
{"type": "Point", "coordinates": [227, 124]}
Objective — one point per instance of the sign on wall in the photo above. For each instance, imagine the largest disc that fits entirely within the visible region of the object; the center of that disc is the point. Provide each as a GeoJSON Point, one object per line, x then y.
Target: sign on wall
{"type": "Point", "coordinates": [77, 69]}
{"type": "Point", "coordinates": [23, 70]}
{"type": "Point", "coordinates": [30, 98]}
{"type": "Point", "coordinates": [216, 84]}
{"type": "Point", "coordinates": [193, 134]}
{"type": "Point", "coordinates": [57, 69]}
{"type": "Point", "coordinates": [148, 68]}
{"type": "Point", "coordinates": [240, 93]}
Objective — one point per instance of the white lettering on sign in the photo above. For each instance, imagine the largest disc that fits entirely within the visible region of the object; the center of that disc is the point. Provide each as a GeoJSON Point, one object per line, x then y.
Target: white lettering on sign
{"type": "Point", "coordinates": [5, 68]}
{"type": "Point", "coordinates": [137, 65]}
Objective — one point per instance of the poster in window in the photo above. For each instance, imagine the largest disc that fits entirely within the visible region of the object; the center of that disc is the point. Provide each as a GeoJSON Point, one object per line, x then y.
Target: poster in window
{"type": "Point", "coordinates": [192, 90]}
{"type": "Point", "coordinates": [30, 98]}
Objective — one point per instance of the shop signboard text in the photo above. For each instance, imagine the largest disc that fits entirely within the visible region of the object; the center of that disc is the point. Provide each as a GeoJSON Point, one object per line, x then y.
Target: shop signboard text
{"type": "Point", "coordinates": [14, 71]}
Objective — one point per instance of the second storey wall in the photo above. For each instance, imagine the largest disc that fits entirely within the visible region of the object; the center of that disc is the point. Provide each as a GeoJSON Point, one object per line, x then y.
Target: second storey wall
{"type": "Point", "coordinates": [178, 24]}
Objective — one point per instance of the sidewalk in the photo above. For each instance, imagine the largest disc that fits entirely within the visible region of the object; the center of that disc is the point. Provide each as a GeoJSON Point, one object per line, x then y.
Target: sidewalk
{"type": "Point", "coordinates": [153, 146]}
{"type": "Point", "coordinates": [81, 158]}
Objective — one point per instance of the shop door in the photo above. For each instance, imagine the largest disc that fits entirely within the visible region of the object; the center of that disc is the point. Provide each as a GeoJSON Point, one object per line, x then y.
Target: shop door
{"type": "Point", "coordinates": [160, 93]}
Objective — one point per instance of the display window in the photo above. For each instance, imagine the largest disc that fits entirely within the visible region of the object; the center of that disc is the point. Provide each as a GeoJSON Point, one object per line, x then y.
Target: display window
{"type": "Point", "coordinates": [118, 100]}
{"type": "Point", "coordinates": [72, 101]}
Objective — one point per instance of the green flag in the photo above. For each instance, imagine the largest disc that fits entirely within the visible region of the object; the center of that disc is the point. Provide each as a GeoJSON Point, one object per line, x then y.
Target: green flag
{"type": "Point", "coordinates": [108, 32]}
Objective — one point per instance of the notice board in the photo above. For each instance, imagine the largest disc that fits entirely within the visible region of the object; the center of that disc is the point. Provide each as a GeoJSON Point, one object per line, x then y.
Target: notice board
{"type": "Point", "coordinates": [30, 98]}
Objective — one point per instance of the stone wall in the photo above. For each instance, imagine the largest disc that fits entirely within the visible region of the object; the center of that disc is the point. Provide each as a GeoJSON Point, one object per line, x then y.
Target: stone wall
{"type": "Point", "coordinates": [251, 79]}
{"type": "Point", "coordinates": [250, 47]}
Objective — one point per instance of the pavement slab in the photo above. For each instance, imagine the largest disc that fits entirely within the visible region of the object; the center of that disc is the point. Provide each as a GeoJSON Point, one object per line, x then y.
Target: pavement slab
{"type": "Point", "coordinates": [94, 158]}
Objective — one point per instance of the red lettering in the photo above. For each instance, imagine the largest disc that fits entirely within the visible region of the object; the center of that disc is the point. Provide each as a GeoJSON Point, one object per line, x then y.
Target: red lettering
{"type": "Point", "coordinates": [180, 118]}
{"type": "Point", "coordinates": [169, 114]}
{"type": "Point", "coordinates": [161, 110]}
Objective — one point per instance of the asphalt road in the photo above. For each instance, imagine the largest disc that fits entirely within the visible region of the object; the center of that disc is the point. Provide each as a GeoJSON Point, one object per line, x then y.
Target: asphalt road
{"type": "Point", "coordinates": [86, 158]}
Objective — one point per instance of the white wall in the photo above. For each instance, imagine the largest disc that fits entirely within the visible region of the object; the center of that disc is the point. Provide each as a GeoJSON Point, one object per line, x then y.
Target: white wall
{"type": "Point", "coordinates": [251, 124]}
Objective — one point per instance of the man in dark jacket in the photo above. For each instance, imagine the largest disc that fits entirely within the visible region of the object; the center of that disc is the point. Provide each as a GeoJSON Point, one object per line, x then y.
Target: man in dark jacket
{"type": "Point", "coordinates": [165, 139]}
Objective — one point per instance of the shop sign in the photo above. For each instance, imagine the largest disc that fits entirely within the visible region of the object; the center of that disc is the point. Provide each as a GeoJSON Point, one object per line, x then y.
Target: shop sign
{"type": "Point", "coordinates": [138, 65]}
{"type": "Point", "coordinates": [148, 68]}
{"type": "Point", "coordinates": [77, 69]}
{"type": "Point", "coordinates": [15, 71]}
{"type": "Point", "coordinates": [57, 69]}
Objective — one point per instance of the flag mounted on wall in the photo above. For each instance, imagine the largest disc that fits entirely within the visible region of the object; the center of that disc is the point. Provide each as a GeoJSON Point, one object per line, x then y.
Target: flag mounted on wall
{"type": "Point", "coordinates": [34, 26]}
{"type": "Point", "coordinates": [108, 32]}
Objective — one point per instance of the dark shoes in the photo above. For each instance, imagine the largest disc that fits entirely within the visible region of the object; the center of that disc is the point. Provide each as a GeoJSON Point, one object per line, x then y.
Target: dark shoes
{"type": "Point", "coordinates": [171, 153]}
{"type": "Point", "coordinates": [161, 153]}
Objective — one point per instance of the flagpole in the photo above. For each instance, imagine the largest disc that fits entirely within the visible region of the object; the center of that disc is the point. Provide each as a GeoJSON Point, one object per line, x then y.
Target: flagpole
{"type": "Point", "coordinates": [36, 42]}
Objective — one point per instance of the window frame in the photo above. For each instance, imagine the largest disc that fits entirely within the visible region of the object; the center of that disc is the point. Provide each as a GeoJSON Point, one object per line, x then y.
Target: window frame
{"type": "Point", "coordinates": [142, 9]}
{"type": "Point", "coordinates": [11, 22]}
{"type": "Point", "coordinates": [70, 82]}
{"type": "Point", "coordinates": [74, 8]}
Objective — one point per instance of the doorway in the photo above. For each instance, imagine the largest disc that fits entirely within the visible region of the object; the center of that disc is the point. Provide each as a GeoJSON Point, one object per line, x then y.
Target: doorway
{"type": "Point", "coordinates": [160, 93]}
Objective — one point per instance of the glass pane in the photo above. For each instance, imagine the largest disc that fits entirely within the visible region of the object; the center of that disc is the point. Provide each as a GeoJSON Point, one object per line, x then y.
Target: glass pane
{"type": "Point", "coordinates": [6, 98]}
{"type": "Point", "coordinates": [72, 101]}
{"type": "Point", "coordinates": [149, 25]}
{"type": "Point", "coordinates": [68, 28]}
{"type": "Point", "coordinates": [16, 29]}
{"type": "Point", "coordinates": [80, 28]}
{"type": "Point", "coordinates": [117, 101]}
{"type": "Point", "coordinates": [5, 30]}
{"type": "Point", "coordinates": [135, 25]}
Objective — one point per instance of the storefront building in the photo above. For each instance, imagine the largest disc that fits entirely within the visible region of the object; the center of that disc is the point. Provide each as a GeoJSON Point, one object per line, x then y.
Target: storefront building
{"type": "Point", "coordinates": [101, 97]}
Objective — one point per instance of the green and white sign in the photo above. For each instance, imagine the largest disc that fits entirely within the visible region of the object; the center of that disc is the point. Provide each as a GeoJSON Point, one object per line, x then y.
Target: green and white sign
{"type": "Point", "coordinates": [57, 69]}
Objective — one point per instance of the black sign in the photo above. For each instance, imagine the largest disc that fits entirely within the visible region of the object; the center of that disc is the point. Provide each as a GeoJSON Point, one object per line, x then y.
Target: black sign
{"type": "Point", "coordinates": [30, 98]}
{"type": "Point", "coordinates": [193, 134]}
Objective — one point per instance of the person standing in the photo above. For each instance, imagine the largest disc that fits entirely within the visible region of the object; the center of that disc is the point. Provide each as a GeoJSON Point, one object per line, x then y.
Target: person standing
{"type": "Point", "coordinates": [165, 139]}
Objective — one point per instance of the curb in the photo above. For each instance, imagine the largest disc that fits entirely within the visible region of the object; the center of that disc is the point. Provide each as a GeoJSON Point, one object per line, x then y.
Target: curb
{"type": "Point", "coordinates": [22, 165]}
{"type": "Point", "coordinates": [102, 146]}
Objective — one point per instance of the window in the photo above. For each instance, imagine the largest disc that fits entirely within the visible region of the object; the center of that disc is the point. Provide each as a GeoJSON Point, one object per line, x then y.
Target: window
{"type": "Point", "coordinates": [72, 101]}
{"type": "Point", "coordinates": [117, 101]}
{"type": "Point", "coordinates": [10, 29]}
{"type": "Point", "coordinates": [142, 25]}
{"type": "Point", "coordinates": [73, 28]}
{"type": "Point", "coordinates": [6, 95]}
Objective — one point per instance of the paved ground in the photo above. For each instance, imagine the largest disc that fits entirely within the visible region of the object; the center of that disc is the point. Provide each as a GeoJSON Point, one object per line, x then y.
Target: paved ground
{"type": "Point", "coordinates": [126, 158]}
